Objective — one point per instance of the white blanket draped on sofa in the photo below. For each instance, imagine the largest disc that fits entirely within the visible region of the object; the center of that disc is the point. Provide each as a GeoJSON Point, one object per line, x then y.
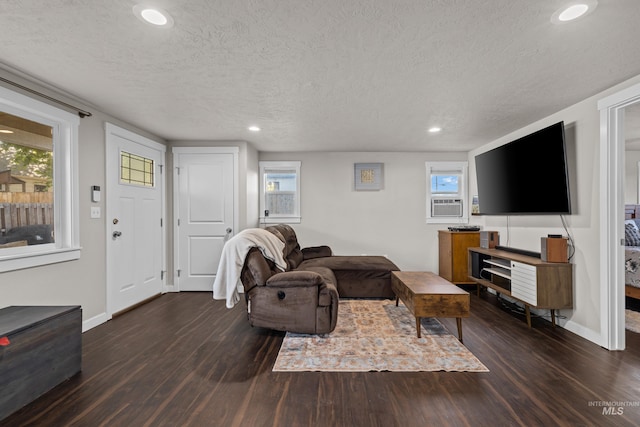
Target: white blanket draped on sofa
{"type": "Point", "coordinates": [227, 285]}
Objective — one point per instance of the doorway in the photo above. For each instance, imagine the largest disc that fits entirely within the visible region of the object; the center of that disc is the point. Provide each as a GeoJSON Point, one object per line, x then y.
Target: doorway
{"type": "Point", "coordinates": [612, 150]}
{"type": "Point", "coordinates": [134, 218]}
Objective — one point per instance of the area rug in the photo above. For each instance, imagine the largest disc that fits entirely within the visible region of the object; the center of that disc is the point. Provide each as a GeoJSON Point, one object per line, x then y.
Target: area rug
{"type": "Point", "coordinates": [373, 335]}
{"type": "Point", "coordinates": [631, 321]}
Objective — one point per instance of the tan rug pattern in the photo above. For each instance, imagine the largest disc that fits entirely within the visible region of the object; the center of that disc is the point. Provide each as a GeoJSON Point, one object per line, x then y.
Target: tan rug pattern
{"type": "Point", "coordinates": [377, 336]}
{"type": "Point", "coordinates": [632, 321]}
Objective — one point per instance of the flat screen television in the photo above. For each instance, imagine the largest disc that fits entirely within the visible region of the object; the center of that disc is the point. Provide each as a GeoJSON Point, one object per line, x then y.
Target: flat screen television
{"type": "Point", "coordinates": [527, 176]}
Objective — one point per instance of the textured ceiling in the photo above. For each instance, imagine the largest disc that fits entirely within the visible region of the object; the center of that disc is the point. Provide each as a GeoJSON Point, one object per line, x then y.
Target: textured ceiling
{"type": "Point", "coordinates": [338, 75]}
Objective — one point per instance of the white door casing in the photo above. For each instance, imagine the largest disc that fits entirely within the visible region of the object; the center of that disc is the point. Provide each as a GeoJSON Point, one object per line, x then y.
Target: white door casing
{"type": "Point", "coordinates": [205, 212]}
{"type": "Point", "coordinates": [134, 216]}
{"type": "Point", "coordinates": [612, 296]}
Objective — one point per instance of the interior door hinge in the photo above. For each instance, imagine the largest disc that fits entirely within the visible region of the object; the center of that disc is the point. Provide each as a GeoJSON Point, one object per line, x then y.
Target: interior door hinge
{"type": "Point", "coordinates": [178, 222]}
{"type": "Point", "coordinates": [160, 222]}
{"type": "Point", "coordinates": [179, 272]}
{"type": "Point", "coordinates": [178, 170]}
{"type": "Point", "coordinates": [161, 166]}
{"type": "Point", "coordinates": [161, 274]}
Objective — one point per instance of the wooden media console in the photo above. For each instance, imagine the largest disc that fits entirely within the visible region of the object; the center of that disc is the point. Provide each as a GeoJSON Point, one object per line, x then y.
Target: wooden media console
{"type": "Point", "coordinates": [528, 279]}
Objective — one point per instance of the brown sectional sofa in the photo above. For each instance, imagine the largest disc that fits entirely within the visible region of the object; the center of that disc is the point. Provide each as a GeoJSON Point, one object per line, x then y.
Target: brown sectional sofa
{"type": "Point", "coordinates": [304, 299]}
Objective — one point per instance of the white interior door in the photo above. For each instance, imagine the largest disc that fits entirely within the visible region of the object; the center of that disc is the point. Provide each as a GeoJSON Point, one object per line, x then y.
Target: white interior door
{"type": "Point", "coordinates": [135, 205]}
{"type": "Point", "coordinates": [205, 212]}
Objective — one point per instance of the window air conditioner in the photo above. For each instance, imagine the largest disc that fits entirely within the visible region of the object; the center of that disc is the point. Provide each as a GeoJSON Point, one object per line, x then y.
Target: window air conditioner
{"type": "Point", "coordinates": [446, 207]}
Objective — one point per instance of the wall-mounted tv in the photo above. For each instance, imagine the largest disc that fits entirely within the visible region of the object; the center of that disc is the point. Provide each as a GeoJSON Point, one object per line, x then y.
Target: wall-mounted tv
{"type": "Point", "coordinates": [527, 176]}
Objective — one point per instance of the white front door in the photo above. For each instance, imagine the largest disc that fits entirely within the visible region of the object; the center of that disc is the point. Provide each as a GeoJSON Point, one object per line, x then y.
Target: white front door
{"type": "Point", "coordinates": [205, 194]}
{"type": "Point", "coordinates": [135, 241]}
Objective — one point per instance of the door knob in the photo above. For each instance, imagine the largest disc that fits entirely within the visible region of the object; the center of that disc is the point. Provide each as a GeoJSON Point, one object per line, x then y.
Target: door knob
{"type": "Point", "coordinates": [229, 230]}
{"type": "Point", "coordinates": [116, 234]}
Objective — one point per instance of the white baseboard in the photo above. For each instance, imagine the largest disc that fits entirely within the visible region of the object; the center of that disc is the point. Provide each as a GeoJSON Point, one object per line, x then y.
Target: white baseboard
{"type": "Point", "coordinates": [94, 321]}
{"type": "Point", "coordinates": [587, 334]}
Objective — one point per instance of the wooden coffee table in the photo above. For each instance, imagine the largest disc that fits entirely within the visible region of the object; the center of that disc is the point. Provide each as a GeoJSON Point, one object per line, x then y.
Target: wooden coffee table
{"type": "Point", "coordinates": [426, 294]}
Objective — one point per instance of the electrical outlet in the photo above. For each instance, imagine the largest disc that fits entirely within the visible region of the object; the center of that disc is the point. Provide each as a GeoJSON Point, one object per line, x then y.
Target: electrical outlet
{"type": "Point", "coordinates": [95, 211]}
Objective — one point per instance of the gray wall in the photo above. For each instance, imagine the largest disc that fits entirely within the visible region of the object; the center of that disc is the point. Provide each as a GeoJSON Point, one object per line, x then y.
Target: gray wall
{"type": "Point", "coordinates": [388, 222]}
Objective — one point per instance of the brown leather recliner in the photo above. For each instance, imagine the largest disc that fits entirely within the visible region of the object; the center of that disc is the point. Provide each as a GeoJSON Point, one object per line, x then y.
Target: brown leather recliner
{"type": "Point", "coordinates": [304, 299]}
{"type": "Point", "coordinates": [293, 301]}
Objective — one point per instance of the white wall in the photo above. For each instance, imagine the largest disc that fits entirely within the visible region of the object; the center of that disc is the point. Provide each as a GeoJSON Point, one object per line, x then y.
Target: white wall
{"type": "Point", "coordinates": [388, 222]}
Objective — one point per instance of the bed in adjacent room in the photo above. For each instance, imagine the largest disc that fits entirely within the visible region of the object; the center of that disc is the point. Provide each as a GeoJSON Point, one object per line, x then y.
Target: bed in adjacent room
{"type": "Point", "coordinates": [632, 251]}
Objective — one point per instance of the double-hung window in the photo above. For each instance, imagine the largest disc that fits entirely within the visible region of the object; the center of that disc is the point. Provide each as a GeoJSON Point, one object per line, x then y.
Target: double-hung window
{"type": "Point", "coordinates": [447, 192]}
{"type": "Point", "coordinates": [279, 192]}
{"type": "Point", "coordinates": [38, 183]}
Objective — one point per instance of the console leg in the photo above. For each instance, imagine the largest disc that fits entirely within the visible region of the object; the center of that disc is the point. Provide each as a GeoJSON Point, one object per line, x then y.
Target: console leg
{"type": "Point", "coordinates": [418, 326]}
{"type": "Point", "coordinates": [528, 313]}
{"type": "Point", "coordinates": [553, 318]}
{"type": "Point", "coordinates": [459, 322]}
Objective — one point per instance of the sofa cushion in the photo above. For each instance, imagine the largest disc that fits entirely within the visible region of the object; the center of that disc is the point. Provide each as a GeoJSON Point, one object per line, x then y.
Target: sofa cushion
{"type": "Point", "coordinates": [351, 263]}
{"type": "Point", "coordinates": [357, 276]}
{"type": "Point", "coordinates": [316, 252]}
{"type": "Point", "coordinates": [292, 253]}
{"type": "Point", "coordinates": [256, 270]}
{"type": "Point", "coordinates": [325, 296]}
{"type": "Point", "coordinates": [326, 273]}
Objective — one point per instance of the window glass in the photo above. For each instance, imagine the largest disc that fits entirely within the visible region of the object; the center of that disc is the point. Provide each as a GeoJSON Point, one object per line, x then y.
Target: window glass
{"type": "Point", "coordinates": [280, 192]}
{"type": "Point", "coordinates": [26, 182]}
{"type": "Point", "coordinates": [39, 166]}
{"type": "Point", "coordinates": [444, 184]}
{"type": "Point", "coordinates": [136, 170]}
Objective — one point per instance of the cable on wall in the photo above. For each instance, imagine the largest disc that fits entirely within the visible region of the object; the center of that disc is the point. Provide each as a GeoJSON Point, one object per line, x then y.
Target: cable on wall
{"type": "Point", "coordinates": [82, 113]}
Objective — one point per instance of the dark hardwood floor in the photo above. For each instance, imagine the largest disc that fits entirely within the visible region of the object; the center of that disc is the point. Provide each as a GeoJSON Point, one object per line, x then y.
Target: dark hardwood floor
{"type": "Point", "coordinates": [185, 360]}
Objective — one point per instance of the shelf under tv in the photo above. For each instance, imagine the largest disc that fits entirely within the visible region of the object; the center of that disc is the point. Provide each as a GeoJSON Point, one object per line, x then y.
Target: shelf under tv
{"type": "Point", "coordinates": [527, 279]}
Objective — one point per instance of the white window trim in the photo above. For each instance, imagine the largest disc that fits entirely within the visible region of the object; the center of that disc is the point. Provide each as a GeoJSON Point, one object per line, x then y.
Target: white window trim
{"type": "Point", "coordinates": [65, 175]}
{"type": "Point", "coordinates": [463, 168]}
{"type": "Point", "coordinates": [285, 165]}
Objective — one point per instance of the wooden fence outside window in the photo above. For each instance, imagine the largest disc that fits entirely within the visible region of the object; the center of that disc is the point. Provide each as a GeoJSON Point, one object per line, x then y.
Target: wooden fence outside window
{"type": "Point", "coordinates": [20, 209]}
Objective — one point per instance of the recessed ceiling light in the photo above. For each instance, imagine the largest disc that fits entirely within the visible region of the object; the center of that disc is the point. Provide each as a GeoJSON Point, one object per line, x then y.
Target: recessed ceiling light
{"type": "Point", "coordinates": [5, 131]}
{"type": "Point", "coordinates": [153, 15]}
{"type": "Point", "coordinates": [254, 128]}
{"type": "Point", "coordinates": [435, 129]}
{"type": "Point", "coordinates": [573, 11]}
